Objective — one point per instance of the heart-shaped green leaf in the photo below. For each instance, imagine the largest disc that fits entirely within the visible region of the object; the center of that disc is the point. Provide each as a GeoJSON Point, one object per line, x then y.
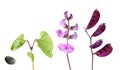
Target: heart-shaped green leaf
{"type": "Point", "coordinates": [18, 42]}
{"type": "Point", "coordinates": [45, 44]}
{"type": "Point", "coordinates": [31, 56]}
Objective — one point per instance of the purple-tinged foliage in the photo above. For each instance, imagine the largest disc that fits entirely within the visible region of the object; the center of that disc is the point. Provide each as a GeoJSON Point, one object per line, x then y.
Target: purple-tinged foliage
{"type": "Point", "coordinates": [96, 44]}
{"type": "Point", "coordinates": [99, 30]}
{"type": "Point", "coordinates": [106, 50]}
{"type": "Point", "coordinates": [67, 48]}
{"type": "Point", "coordinates": [94, 19]}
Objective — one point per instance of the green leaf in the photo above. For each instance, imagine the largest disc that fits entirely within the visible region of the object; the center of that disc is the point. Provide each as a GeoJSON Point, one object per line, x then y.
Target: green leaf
{"type": "Point", "coordinates": [18, 42]}
{"type": "Point", "coordinates": [45, 44]}
{"type": "Point", "coordinates": [31, 56]}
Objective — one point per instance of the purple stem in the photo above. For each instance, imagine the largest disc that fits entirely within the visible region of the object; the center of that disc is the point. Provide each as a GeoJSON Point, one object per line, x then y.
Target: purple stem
{"type": "Point", "coordinates": [92, 54]}
{"type": "Point", "coordinates": [31, 48]}
{"type": "Point", "coordinates": [67, 43]}
{"type": "Point", "coordinates": [68, 61]}
{"type": "Point", "coordinates": [91, 49]}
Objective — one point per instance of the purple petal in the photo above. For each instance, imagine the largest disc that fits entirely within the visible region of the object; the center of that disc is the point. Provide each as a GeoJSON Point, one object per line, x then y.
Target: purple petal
{"type": "Point", "coordinates": [59, 32]}
{"type": "Point", "coordinates": [67, 48]}
{"type": "Point", "coordinates": [75, 27]}
{"type": "Point", "coordinates": [74, 36]}
{"type": "Point", "coordinates": [70, 17]}
{"type": "Point", "coordinates": [63, 23]}
{"type": "Point", "coordinates": [66, 15]}
{"type": "Point", "coordinates": [65, 34]}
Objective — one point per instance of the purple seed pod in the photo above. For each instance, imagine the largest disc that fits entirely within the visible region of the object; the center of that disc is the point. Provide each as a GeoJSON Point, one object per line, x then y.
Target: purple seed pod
{"type": "Point", "coordinates": [94, 19]}
{"type": "Point", "coordinates": [106, 50]}
{"type": "Point", "coordinates": [96, 44]}
{"type": "Point", "coordinates": [101, 28]}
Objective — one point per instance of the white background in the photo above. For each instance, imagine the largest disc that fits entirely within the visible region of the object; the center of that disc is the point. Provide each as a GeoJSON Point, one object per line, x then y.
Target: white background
{"type": "Point", "coordinates": [32, 16]}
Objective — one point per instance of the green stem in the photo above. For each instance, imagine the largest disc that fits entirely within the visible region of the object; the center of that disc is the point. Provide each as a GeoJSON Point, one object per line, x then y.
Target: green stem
{"type": "Point", "coordinates": [32, 65]}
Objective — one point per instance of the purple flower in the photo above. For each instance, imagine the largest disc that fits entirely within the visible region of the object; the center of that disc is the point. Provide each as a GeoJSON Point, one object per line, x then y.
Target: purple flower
{"type": "Point", "coordinates": [59, 32]}
{"type": "Point", "coordinates": [67, 48]}
{"type": "Point", "coordinates": [63, 35]}
{"type": "Point", "coordinates": [68, 17]}
{"type": "Point", "coordinates": [74, 36]}
{"type": "Point", "coordinates": [63, 23]}
{"type": "Point", "coordinates": [75, 27]}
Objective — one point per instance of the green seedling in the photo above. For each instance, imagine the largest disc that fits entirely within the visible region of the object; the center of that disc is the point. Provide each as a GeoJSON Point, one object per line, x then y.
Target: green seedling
{"type": "Point", "coordinates": [44, 43]}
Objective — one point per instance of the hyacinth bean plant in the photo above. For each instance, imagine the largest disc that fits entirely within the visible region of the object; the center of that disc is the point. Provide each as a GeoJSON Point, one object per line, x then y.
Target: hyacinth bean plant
{"type": "Point", "coordinates": [67, 47]}
{"type": "Point", "coordinates": [107, 49]}
{"type": "Point", "coordinates": [44, 43]}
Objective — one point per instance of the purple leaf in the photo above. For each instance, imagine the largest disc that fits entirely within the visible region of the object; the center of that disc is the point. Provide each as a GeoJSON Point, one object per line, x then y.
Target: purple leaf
{"type": "Point", "coordinates": [94, 19]}
{"type": "Point", "coordinates": [101, 28]}
{"type": "Point", "coordinates": [106, 50]}
{"type": "Point", "coordinates": [96, 44]}
{"type": "Point", "coordinates": [67, 48]}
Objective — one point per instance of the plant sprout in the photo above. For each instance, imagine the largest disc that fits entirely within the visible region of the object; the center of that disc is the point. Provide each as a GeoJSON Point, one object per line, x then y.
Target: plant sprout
{"type": "Point", "coordinates": [67, 47]}
{"type": "Point", "coordinates": [44, 43]}
{"type": "Point", "coordinates": [107, 49]}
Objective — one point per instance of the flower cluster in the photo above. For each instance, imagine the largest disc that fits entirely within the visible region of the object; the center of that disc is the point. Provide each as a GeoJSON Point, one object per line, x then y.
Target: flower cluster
{"type": "Point", "coordinates": [67, 48]}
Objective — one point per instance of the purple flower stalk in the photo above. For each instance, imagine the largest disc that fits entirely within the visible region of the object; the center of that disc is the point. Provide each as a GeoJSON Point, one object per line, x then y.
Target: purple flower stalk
{"type": "Point", "coordinates": [67, 47]}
